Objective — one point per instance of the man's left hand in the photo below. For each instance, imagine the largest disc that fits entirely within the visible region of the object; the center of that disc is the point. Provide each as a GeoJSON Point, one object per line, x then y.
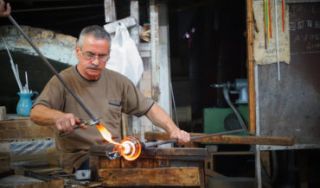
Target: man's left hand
{"type": "Point", "coordinates": [181, 135]}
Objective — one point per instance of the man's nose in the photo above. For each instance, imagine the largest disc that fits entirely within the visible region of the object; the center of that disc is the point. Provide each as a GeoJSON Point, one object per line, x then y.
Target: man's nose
{"type": "Point", "coordinates": [95, 61]}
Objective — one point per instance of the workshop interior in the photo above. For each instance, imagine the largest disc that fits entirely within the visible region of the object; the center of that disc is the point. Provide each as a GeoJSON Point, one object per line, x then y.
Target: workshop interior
{"type": "Point", "coordinates": [240, 76]}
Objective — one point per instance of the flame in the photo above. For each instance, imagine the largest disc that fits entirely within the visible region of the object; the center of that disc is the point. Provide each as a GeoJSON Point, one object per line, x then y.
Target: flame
{"type": "Point", "coordinates": [106, 134]}
{"type": "Point", "coordinates": [129, 148]}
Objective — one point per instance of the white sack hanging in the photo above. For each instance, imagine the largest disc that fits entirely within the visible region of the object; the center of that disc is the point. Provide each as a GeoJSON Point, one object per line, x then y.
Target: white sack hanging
{"type": "Point", "coordinates": [124, 55]}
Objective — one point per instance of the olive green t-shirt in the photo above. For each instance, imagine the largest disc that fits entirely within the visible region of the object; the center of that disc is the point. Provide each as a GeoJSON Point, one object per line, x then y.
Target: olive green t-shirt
{"type": "Point", "coordinates": [106, 98]}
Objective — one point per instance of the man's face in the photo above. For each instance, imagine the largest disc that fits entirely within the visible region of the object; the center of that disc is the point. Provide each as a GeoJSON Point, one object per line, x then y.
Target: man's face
{"type": "Point", "coordinates": [92, 56]}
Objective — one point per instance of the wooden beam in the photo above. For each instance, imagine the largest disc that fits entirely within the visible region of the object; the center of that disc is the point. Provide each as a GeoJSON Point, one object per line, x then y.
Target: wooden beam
{"type": "Point", "coordinates": [230, 139]}
{"type": "Point", "coordinates": [171, 176]}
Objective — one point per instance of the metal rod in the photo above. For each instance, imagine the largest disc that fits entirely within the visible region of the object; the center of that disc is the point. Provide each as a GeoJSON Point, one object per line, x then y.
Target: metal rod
{"type": "Point", "coordinates": [172, 141]}
{"type": "Point", "coordinates": [76, 97]}
{"type": "Point", "coordinates": [277, 39]}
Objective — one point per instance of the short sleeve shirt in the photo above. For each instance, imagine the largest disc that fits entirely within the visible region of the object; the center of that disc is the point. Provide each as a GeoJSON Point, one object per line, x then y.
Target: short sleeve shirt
{"type": "Point", "coordinates": [106, 98]}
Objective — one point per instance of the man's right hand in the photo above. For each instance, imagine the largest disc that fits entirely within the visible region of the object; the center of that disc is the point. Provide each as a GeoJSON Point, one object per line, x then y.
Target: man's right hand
{"type": "Point", "coordinates": [63, 122]}
{"type": "Point", "coordinates": [67, 122]}
{"type": "Point", "coordinates": [5, 9]}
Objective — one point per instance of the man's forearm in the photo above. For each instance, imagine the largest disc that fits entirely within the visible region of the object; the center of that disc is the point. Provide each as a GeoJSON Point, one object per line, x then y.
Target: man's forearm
{"type": "Point", "coordinates": [161, 119]}
{"type": "Point", "coordinates": [43, 115]}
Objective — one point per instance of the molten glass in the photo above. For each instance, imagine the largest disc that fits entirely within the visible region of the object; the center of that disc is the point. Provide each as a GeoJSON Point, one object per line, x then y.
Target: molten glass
{"type": "Point", "coordinates": [129, 148]}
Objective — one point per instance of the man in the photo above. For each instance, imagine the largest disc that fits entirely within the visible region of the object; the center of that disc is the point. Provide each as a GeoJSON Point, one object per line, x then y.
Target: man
{"type": "Point", "coordinates": [5, 9]}
{"type": "Point", "coordinates": [106, 93]}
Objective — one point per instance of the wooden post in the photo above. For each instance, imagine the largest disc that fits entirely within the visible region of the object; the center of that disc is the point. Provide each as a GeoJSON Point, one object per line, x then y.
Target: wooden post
{"type": "Point", "coordinates": [155, 64]}
{"type": "Point", "coordinates": [134, 12]}
{"type": "Point", "coordinates": [251, 74]}
{"type": "Point", "coordinates": [109, 11]}
{"type": "Point", "coordinates": [160, 63]}
{"type": "Point", "coordinates": [3, 113]}
{"type": "Point", "coordinates": [165, 97]}
{"type": "Point", "coordinates": [251, 87]}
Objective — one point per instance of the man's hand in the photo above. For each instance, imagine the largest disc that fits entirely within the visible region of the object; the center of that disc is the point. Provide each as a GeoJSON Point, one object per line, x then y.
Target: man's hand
{"type": "Point", "coordinates": [5, 9]}
{"type": "Point", "coordinates": [181, 135]}
{"type": "Point", "coordinates": [160, 118]}
{"type": "Point", "coordinates": [67, 122]}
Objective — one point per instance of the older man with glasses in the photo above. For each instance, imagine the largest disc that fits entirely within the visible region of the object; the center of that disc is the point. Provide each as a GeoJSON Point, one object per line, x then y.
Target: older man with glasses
{"type": "Point", "coordinates": [105, 92]}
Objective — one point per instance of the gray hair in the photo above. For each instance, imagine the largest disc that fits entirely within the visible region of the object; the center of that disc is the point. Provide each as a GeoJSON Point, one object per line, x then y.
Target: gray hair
{"type": "Point", "coordinates": [97, 31]}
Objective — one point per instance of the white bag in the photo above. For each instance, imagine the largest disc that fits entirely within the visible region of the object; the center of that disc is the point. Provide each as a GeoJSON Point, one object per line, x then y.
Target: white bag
{"type": "Point", "coordinates": [124, 55]}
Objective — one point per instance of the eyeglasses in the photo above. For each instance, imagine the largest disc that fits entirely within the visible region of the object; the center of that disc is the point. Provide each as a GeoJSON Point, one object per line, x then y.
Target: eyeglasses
{"type": "Point", "coordinates": [90, 56]}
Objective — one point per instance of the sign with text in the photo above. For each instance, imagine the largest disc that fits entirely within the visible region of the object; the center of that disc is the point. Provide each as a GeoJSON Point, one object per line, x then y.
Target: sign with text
{"type": "Point", "coordinates": [267, 49]}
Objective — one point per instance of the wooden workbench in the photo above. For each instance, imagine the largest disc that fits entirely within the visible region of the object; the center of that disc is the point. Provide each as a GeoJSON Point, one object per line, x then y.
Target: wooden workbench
{"type": "Point", "coordinates": [155, 167]}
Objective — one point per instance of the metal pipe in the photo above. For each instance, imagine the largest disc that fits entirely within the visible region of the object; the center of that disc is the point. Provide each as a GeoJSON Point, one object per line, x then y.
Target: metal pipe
{"type": "Point", "coordinates": [172, 141]}
{"type": "Point", "coordinates": [227, 98]}
{"type": "Point", "coordinates": [277, 39]}
{"type": "Point", "coordinates": [76, 97]}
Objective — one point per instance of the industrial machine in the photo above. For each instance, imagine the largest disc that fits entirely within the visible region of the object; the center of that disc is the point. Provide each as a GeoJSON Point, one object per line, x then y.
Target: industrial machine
{"type": "Point", "coordinates": [235, 116]}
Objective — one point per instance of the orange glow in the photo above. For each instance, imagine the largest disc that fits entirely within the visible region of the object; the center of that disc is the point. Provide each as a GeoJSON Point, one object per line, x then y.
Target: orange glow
{"type": "Point", "coordinates": [106, 134]}
{"type": "Point", "coordinates": [129, 148]}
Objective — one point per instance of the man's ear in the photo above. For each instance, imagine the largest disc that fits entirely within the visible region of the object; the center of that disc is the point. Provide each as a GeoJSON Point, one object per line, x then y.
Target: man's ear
{"type": "Point", "coordinates": [77, 48]}
{"type": "Point", "coordinates": [78, 51]}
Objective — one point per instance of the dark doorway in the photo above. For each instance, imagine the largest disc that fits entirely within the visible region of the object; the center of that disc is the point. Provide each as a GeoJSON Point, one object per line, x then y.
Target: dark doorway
{"type": "Point", "coordinates": [208, 46]}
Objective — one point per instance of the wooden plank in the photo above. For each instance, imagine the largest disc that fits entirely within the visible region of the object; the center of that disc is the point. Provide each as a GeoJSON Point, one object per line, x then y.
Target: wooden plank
{"type": "Point", "coordinates": [230, 139]}
{"type": "Point", "coordinates": [173, 176]}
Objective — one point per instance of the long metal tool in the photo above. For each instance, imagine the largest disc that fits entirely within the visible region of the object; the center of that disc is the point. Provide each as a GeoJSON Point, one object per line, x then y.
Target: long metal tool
{"type": "Point", "coordinates": [172, 141]}
{"type": "Point", "coordinates": [76, 97]}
